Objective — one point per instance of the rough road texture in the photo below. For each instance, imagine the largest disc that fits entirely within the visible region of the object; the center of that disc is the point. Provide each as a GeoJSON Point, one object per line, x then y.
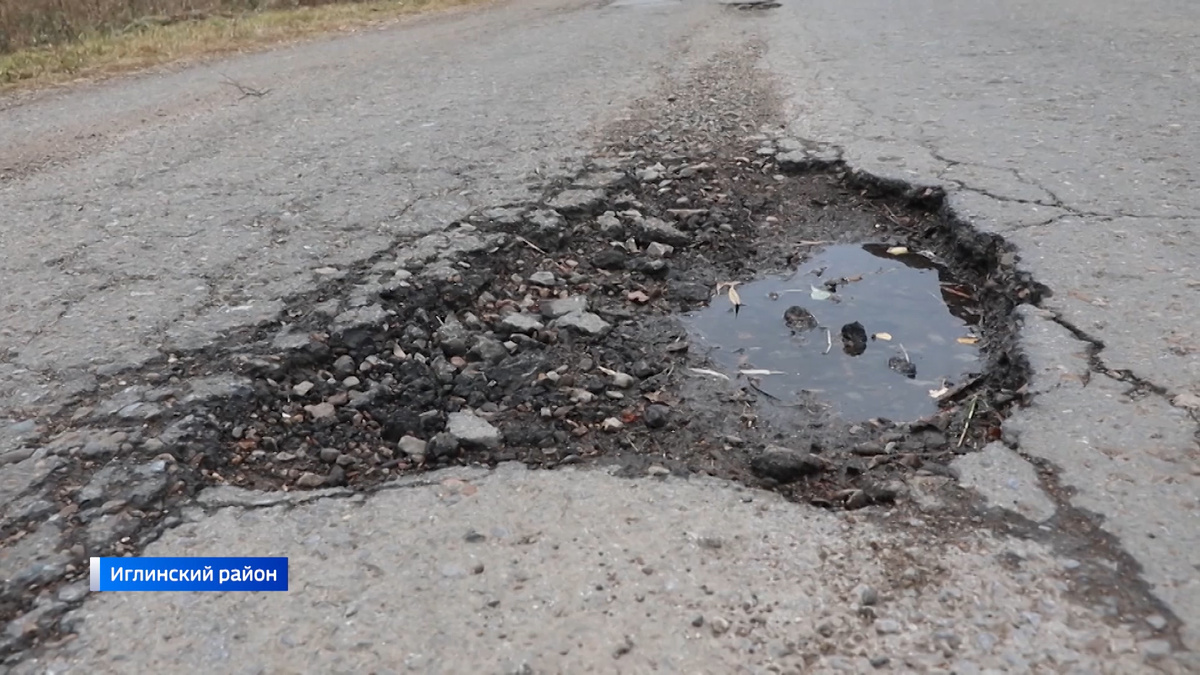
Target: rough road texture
{"type": "Point", "coordinates": [148, 223]}
{"type": "Point", "coordinates": [1017, 109]}
{"type": "Point", "coordinates": [517, 571]}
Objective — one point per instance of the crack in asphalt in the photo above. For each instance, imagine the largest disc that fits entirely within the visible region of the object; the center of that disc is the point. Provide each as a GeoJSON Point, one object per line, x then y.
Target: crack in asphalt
{"type": "Point", "coordinates": [1141, 385]}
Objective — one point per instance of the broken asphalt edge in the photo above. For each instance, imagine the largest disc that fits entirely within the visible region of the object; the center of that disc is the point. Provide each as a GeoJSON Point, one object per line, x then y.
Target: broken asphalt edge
{"type": "Point", "coordinates": [934, 198]}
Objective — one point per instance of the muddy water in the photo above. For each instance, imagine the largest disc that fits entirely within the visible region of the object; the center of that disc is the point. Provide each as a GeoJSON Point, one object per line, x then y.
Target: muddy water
{"type": "Point", "coordinates": [786, 327]}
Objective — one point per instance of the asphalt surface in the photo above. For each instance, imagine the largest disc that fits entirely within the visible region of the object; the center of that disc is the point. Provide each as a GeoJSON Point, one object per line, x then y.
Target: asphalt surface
{"type": "Point", "coordinates": [149, 215]}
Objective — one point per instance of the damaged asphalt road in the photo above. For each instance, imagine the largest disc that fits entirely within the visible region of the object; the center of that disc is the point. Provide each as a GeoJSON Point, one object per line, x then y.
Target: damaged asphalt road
{"type": "Point", "coordinates": [492, 341]}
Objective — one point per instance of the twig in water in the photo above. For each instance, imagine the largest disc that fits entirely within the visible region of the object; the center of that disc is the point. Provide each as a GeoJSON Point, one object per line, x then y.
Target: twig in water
{"type": "Point", "coordinates": [828, 340]}
{"type": "Point", "coordinates": [953, 291]}
{"type": "Point", "coordinates": [967, 425]}
{"type": "Point", "coordinates": [905, 351]}
{"type": "Point", "coordinates": [778, 400]}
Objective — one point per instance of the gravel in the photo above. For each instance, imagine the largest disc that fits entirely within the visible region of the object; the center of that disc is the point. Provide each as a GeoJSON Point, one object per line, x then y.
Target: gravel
{"type": "Point", "coordinates": [576, 201]}
{"type": "Point", "coordinates": [585, 323]}
{"type": "Point", "coordinates": [655, 230]}
{"type": "Point", "coordinates": [657, 416]}
{"type": "Point", "coordinates": [520, 322]}
{"type": "Point", "coordinates": [575, 304]}
{"type": "Point", "coordinates": [411, 445]}
{"type": "Point", "coordinates": [472, 431]}
{"type": "Point", "coordinates": [786, 465]}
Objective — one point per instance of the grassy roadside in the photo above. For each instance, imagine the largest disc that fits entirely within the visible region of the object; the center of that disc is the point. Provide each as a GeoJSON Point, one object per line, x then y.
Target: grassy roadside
{"type": "Point", "coordinates": [104, 54]}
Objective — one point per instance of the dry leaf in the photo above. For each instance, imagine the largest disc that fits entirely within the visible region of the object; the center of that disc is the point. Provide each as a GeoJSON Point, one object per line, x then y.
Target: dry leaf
{"type": "Point", "coordinates": [1187, 401]}
{"type": "Point", "coordinates": [734, 297]}
{"type": "Point", "coordinates": [761, 371]}
{"type": "Point", "coordinates": [882, 336]}
{"type": "Point", "coordinates": [898, 250]}
{"type": "Point", "coordinates": [711, 373]}
{"type": "Point", "coordinates": [969, 340]}
{"type": "Point", "coordinates": [638, 297]}
{"type": "Point", "coordinates": [938, 393]}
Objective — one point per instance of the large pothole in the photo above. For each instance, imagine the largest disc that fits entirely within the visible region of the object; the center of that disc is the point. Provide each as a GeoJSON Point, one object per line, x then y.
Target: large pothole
{"type": "Point", "coordinates": [559, 334]}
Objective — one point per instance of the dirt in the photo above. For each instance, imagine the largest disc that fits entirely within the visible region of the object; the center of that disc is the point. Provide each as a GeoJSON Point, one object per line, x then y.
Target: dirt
{"type": "Point", "coordinates": [731, 212]}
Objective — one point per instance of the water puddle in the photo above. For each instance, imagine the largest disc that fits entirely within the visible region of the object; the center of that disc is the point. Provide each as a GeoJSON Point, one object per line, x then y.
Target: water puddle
{"type": "Point", "coordinates": [871, 331]}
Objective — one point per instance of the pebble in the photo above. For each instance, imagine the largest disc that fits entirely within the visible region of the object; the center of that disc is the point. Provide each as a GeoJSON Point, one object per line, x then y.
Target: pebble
{"type": "Point", "coordinates": [488, 350]}
{"type": "Point", "coordinates": [657, 416]}
{"type": "Point", "coordinates": [563, 306]}
{"type": "Point", "coordinates": [651, 174]}
{"type": "Point", "coordinates": [583, 322]}
{"type": "Point", "coordinates": [321, 410]}
{"type": "Point", "coordinates": [1155, 649]}
{"type": "Point", "coordinates": [887, 626]}
{"type": "Point", "coordinates": [610, 225]}
{"type": "Point", "coordinates": [411, 445]}
{"type": "Point", "coordinates": [1156, 621]}
{"type": "Point", "coordinates": [659, 250]}
{"type": "Point", "coordinates": [329, 455]}
{"type": "Point", "coordinates": [785, 464]}
{"type": "Point", "coordinates": [719, 625]}
{"type": "Point", "coordinates": [309, 480]}
{"type": "Point", "coordinates": [657, 230]}
{"type": "Point", "coordinates": [576, 201]}
{"type": "Point", "coordinates": [520, 322]}
{"type": "Point", "coordinates": [337, 476]}
{"type": "Point", "coordinates": [351, 382]}
{"type": "Point", "coordinates": [543, 278]}
{"type": "Point", "coordinates": [345, 365]}
{"type": "Point", "coordinates": [868, 596]}
{"type": "Point", "coordinates": [870, 449]}
{"type": "Point", "coordinates": [622, 380]}
{"type": "Point", "coordinates": [472, 430]}
{"type": "Point", "coordinates": [107, 444]}
{"type": "Point", "coordinates": [609, 259]}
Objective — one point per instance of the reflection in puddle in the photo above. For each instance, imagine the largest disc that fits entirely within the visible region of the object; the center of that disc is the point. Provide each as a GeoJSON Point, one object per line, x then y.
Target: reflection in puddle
{"type": "Point", "coordinates": [835, 345]}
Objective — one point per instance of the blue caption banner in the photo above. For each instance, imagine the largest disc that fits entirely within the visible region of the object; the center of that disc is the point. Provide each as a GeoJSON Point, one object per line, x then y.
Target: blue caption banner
{"type": "Point", "coordinates": [189, 574]}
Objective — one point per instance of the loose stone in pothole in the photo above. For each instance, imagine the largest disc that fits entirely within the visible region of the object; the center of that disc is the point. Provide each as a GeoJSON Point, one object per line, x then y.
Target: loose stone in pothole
{"type": "Point", "coordinates": [872, 330]}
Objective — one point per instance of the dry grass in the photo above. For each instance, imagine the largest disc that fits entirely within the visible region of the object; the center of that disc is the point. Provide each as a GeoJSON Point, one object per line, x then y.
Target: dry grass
{"type": "Point", "coordinates": [100, 52]}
